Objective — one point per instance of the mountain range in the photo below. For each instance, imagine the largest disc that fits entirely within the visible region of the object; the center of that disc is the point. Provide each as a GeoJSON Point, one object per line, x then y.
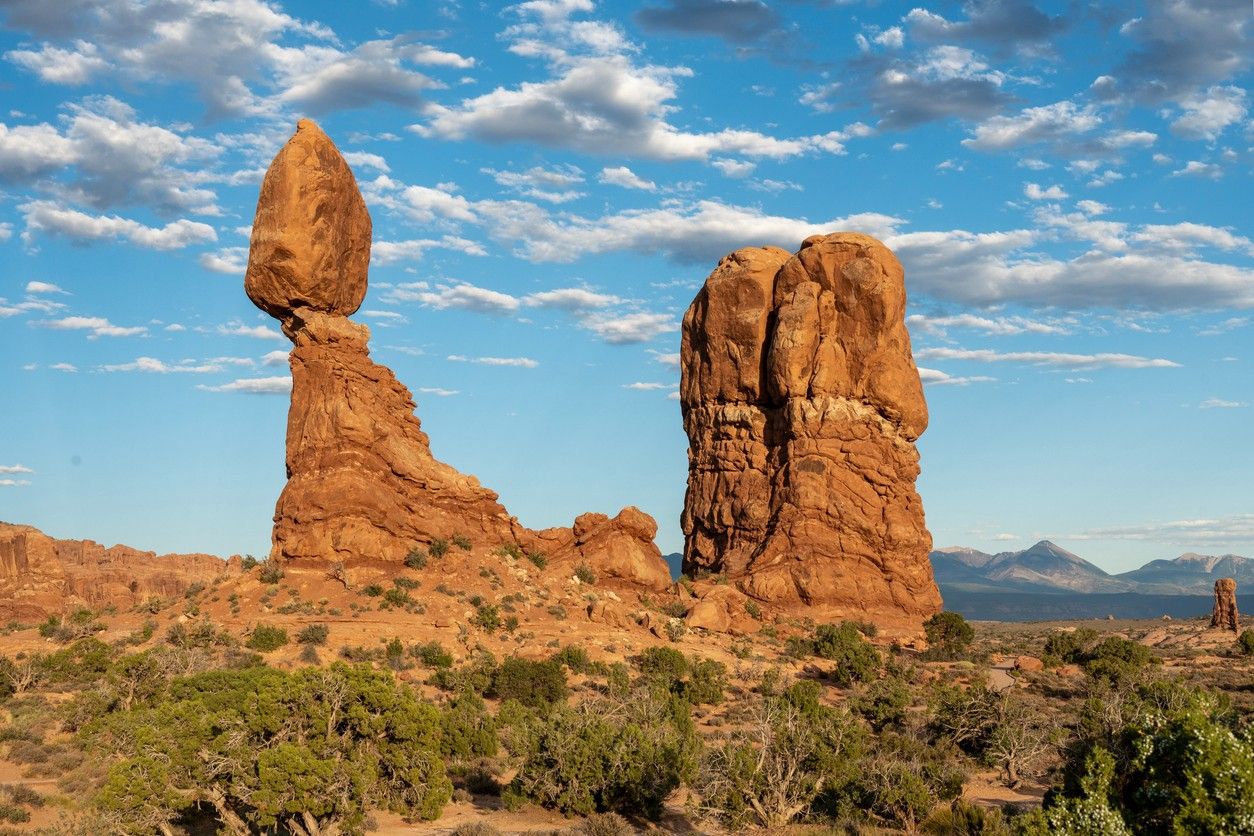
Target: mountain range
{"type": "Point", "coordinates": [1049, 568]}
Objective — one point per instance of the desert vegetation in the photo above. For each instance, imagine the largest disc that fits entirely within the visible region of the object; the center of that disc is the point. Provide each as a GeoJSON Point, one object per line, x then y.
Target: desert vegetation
{"type": "Point", "coordinates": [826, 726]}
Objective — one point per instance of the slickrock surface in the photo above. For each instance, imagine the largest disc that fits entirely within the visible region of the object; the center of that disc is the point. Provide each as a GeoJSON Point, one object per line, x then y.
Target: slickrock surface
{"type": "Point", "coordinates": [42, 576]}
{"type": "Point", "coordinates": [802, 404]}
{"type": "Point", "coordinates": [362, 482]}
{"type": "Point", "coordinates": [1225, 615]}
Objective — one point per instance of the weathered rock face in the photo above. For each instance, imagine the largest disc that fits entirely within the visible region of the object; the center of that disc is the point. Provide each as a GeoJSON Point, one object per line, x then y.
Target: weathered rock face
{"type": "Point", "coordinates": [362, 482]}
{"type": "Point", "coordinates": [42, 576]}
{"type": "Point", "coordinates": [802, 404]}
{"type": "Point", "coordinates": [1225, 616]}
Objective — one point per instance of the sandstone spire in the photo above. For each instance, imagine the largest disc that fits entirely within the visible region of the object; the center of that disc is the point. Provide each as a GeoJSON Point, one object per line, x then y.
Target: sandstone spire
{"type": "Point", "coordinates": [802, 404]}
{"type": "Point", "coordinates": [362, 482]}
{"type": "Point", "coordinates": [1224, 616]}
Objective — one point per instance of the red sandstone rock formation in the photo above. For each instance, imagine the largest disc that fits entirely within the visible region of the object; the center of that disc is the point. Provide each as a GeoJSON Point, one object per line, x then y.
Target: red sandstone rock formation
{"type": "Point", "coordinates": [362, 482]}
{"type": "Point", "coordinates": [802, 404]}
{"type": "Point", "coordinates": [41, 576]}
{"type": "Point", "coordinates": [1224, 616]}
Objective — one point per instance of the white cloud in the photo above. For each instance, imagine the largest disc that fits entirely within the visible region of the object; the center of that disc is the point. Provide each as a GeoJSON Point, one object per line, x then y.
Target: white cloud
{"type": "Point", "coordinates": [52, 218]}
{"type": "Point", "coordinates": [239, 329]}
{"type": "Point", "coordinates": [668, 359]}
{"type": "Point", "coordinates": [151, 365]}
{"type": "Point", "coordinates": [1048, 123]}
{"type": "Point", "coordinates": [278, 357]}
{"type": "Point", "coordinates": [1197, 168]}
{"type": "Point", "coordinates": [1220, 403]}
{"type": "Point", "coordinates": [15, 468]}
{"type": "Point", "coordinates": [573, 299]}
{"type": "Point", "coordinates": [1046, 358]}
{"type": "Point", "coordinates": [98, 326]}
{"type": "Point", "coordinates": [438, 392]}
{"type": "Point", "coordinates": [1034, 192]}
{"type": "Point", "coordinates": [1194, 533]}
{"type": "Point", "coordinates": [1207, 113]}
{"type": "Point", "coordinates": [518, 362]}
{"type": "Point", "coordinates": [734, 168]}
{"type": "Point", "coordinates": [231, 261]}
{"type": "Point", "coordinates": [14, 483]}
{"type": "Point", "coordinates": [629, 328]}
{"type": "Point", "coordinates": [68, 368]}
{"type": "Point", "coordinates": [553, 185]}
{"type": "Point", "coordinates": [936, 377]}
{"type": "Point", "coordinates": [997, 325]}
{"type": "Point", "coordinates": [463, 296]}
{"type": "Point", "coordinates": [364, 159]}
{"type": "Point", "coordinates": [175, 327]}
{"type": "Point", "coordinates": [1092, 207]}
{"type": "Point", "coordinates": [649, 387]}
{"type": "Point", "coordinates": [43, 287]}
{"type": "Point", "coordinates": [254, 386]}
{"type": "Point", "coordinates": [391, 252]}
{"type": "Point", "coordinates": [1232, 323]}
{"type": "Point", "coordinates": [626, 178]}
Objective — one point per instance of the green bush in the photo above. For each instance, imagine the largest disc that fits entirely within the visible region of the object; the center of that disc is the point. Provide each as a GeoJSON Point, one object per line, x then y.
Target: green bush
{"type": "Point", "coordinates": [1068, 646]}
{"type": "Point", "coordinates": [487, 616]}
{"type": "Point", "coordinates": [461, 541]}
{"type": "Point", "coordinates": [438, 548]}
{"type": "Point", "coordinates": [468, 731]}
{"type": "Point", "coordinates": [606, 755]}
{"type": "Point", "coordinates": [585, 574]}
{"type": "Point", "coordinates": [1245, 641]}
{"type": "Point", "coordinates": [475, 677]}
{"type": "Point", "coordinates": [432, 654]}
{"type": "Point", "coordinates": [574, 657]}
{"type": "Point", "coordinates": [416, 559]}
{"type": "Point", "coordinates": [883, 703]}
{"type": "Point", "coordinates": [948, 635]}
{"type": "Point", "coordinates": [535, 684]}
{"type": "Point", "coordinates": [777, 766]}
{"type": "Point", "coordinates": [265, 638]}
{"type": "Point", "coordinates": [856, 659]}
{"type": "Point", "coordinates": [313, 634]}
{"type": "Point", "coordinates": [408, 584]}
{"type": "Point", "coordinates": [309, 751]}
{"type": "Point", "coordinates": [1118, 662]}
{"type": "Point", "coordinates": [663, 665]}
{"type": "Point", "coordinates": [538, 559]}
{"type": "Point", "coordinates": [373, 590]}
{"type": "Point", "coordinates": [248, 563]}
{"type": "Point", "coordinates": [962, 818]}
{"type": "Point", "coordinates": [270, 573]}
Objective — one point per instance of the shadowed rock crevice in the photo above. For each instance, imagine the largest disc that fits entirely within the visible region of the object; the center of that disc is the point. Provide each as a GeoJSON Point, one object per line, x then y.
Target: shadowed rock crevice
{"type": "Point", "coordinates": [802, 404]}
{"type": "Point", "coordinates": [362, 482]}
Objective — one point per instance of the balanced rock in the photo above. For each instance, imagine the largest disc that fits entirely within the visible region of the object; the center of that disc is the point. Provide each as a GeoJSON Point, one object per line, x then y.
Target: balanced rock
{"type": "Point", "coordinates": [362, 482]}
{"type": "Point", "coordinates": [1224, 616]}
{"type": "Point", "coordinates": [802, 405]}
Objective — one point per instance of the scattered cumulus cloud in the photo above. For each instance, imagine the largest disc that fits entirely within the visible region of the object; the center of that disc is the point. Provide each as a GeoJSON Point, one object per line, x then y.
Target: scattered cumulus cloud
{"type": "Point", "coordinates": [253, 386]}
{"type": "Point", "coordinates": [517, 362]}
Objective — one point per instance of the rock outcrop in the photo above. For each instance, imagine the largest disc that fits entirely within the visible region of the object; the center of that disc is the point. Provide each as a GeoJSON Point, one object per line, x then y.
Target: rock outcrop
{"type": "Point", "coordinates": [1224, 616]}
{"type": "Point", "coordinates": [362, 482]}
{"type": "Point", "coordinates": [802, 405]}
{"type": "Point", "coordinates": [42, 576]}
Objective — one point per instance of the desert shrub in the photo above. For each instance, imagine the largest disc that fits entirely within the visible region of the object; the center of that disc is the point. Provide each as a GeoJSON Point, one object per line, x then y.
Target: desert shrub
{"type": "Point", "coordinates": [662, 665]}
{"type": "Point", "coordinates": [1068, 646]}
{"type": "Point", "coordinates": [309, 654]}
{"type": "Point", "coordinates": [1001, 729]}
{"type": "Point", "coordinates": [510, 550]}
{"type": "Point", "coordinates": [487, 616]}
{"type": "Point", "coordinates": [438, 548]}
{"type": "Point", "coordinates": [248, 563]}
{"type": "Point", "coordinates": [478, 828]}
{"type": "Point", "coordinates": [432, 654]}
{"type": "Point", "coordinates": [416, 559]}
{"type": "Point", "coordinates": [271, 572]}
{"type": "Point", "coordinates": [1245, 641]}
{"type": "Point", "coordinates": [1118, 662]}
{"type": "Point", "coordinates": [574, 657]}
{"type": "Point", "coordinates": [461, 541]}
{"type": "Point", "coordinates": [962, 818]}
{"type": "Point", "coordinates": [856, 659]}
{"type": "Point", "coordinates": [603, 824]}
{"type": "Point", "coordinates": [313, 634]}
{"type": "Point", "coordinates": [77, 625]}
{"type": "Point", "coordinates": [901, 781]}
{"type": "Point", "coordinates": [585, 574]}
{"type": "Point", "coordinates": [948, 635]}
{"type": "Point", "coordinates": [468, 731]}
{"type": "Point", "coordinates": [606, 755]}
{"type": "Point", "coordinates": [309, 751]}
{"type": "Point", "coordinates": [476, 676]}
{"type": "Point", "coordinates": [397, 597]}
{"type": "Point", "coordinates": [265, 638]}
{"type": "Point", "coordinates": [408, 584]}
{"type": "Point", "coordinates": [373, 590]}
{"type": "Point", "coordinates": [774, 768]}
{"type": "Point", "coordinates": [193, 589]}
{"type": "Point", "coordinates": [82, 663]}
{"type": "Point", "coordinates": [535, 684]}
{"type": "Point", "coordinates": [707, 679]}
{"type": "Point", "coordinates": [883, 703]}
{"type": "Point", "coordinates": [1173, 763]}
{"type": "Point", "coordinates": [202, 634]}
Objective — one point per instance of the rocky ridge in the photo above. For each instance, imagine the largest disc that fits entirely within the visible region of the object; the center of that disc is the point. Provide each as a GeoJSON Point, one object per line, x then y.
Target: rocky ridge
{"type": "Point", "coordinates": [42, 576]}
{"type": "Point", "coordinates": [802, 404]}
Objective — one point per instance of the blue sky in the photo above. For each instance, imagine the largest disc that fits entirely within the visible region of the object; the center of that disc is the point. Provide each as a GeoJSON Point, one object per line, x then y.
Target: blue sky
{"type": "Point", "coordinates": [551, 181]}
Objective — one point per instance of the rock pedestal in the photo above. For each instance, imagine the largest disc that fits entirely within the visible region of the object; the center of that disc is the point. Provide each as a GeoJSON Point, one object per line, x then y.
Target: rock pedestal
{"type": "Point", "coordinates": [362, 482]}
{"type": "Point", "coordinates": [802, 404]}
{"type": "Point", "coordinates": [1224, 616]}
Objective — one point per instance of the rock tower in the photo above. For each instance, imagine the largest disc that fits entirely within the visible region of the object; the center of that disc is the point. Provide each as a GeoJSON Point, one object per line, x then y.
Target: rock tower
{"type": "Point", "coordinates": [362, 482]}
{"type": "Point", "coordinates": [1224, 616]}
{"type": "Point", "coordinates": [802, 405]}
